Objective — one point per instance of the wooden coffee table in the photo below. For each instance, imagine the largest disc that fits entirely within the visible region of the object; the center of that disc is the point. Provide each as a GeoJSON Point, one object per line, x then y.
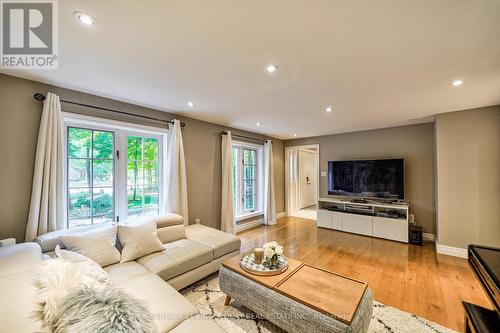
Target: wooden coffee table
{"type": "Point", "coordinates": [303, 298]}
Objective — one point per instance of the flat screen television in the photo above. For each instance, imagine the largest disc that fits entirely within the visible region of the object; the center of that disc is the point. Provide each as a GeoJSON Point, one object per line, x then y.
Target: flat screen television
{"type": "Point", "coordinates": [367, 178]}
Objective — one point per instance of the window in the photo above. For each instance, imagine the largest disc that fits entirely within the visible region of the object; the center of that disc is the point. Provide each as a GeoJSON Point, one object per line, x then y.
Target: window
{"type": "Point", "coordinates": [90, 176]}
{"type": "Point", "coordinates": [247, 160]}
{"type": "Point", "coordinates": [142, 176]}
{"type": "Point", "coordinates": [102, 183]}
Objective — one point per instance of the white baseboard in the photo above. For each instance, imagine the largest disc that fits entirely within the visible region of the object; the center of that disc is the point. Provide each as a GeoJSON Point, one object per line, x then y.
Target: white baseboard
{"type": "Point", "coordinates": [249, 225]}
{"type": "Point", "coordinates": [451, 251]}
{"type": "Point", "coordinates": [280, 215]}
{"type": "Point", "coordinates": [429, 237]}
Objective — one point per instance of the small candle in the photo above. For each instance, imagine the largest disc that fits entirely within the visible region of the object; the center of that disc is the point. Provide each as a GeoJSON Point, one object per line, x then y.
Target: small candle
{"type": "Point", "coordinates": [258, 254]}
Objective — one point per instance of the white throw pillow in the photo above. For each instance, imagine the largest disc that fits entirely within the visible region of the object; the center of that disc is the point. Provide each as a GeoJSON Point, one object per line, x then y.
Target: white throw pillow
{"type": "Point", "coordinates": [98, 245]}
{"type": "Point", "coordinates": [139, 240]}
{"type": "Point", "coordinates": [85, 264]}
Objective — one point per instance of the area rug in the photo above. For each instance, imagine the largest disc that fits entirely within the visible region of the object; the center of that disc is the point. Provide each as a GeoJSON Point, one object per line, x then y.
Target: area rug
{"type": "Point", "coordinates": [208, 298]}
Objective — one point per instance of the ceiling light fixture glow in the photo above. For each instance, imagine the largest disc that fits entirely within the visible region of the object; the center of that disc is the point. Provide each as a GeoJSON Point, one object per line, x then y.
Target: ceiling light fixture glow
{"type": "Point", "coordinates": [85, 19]}
{"type": "Point", "coordinates": [328, 109]}
{"type": "Point", "coordinates": [258, 124]}
{"type": "Point", "coordinates": [272, 68]}
{"type": "Point", "coordinates": [295, 135]}
{"type": "Point", "coordinates": [190, 104]}
{"type": "Point", "coordinates": [457, 83]}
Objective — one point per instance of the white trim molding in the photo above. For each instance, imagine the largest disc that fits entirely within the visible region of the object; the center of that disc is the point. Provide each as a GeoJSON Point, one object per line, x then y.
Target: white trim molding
{"type": "Point", "coordinates": [429, 237]}
{"type": "Point", "coordinates": [248, 225]}
{"type": "Point", "coordinates": [451, 251]}
{"type": "Point", "coordinates": [280, 215]}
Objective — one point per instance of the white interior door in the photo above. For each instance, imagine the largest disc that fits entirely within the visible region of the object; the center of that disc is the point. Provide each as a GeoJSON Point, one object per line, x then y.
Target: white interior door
{"type": "Point", "coordinates": [307, 177]}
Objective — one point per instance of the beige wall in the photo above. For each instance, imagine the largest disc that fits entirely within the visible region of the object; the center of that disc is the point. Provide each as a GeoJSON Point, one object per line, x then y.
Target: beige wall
{"type": "Point", "coordinates": [414, 143]}
{"type": "Point", "coordinates": [468, 177]}
{"type": "Point", "coordinates": [19, 122]}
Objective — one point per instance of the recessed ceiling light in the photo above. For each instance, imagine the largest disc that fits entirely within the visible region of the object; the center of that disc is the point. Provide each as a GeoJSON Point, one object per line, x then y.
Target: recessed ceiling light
{"type": "Point", "coordinates": [258, 124]}
{"type": "Point", "coordinates": [295, 135]}
{"type": "Point", "coordinates": [457, 83]}
{"type": "Point", "coordinates": [85, 19]}
{"type": "Point", "coordinates": [272, 68]}
{"type": "Point", "coordinates": [328, 109]}
{"type": "Point", "coordinates": [190, 104]}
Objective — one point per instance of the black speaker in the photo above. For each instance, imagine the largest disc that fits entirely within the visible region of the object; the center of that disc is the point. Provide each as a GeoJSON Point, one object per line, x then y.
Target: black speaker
{"type": "Point", "coordinates": [415, 235]}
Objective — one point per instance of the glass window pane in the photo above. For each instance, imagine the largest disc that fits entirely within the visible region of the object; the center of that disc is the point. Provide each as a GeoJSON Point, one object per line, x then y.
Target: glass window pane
{"type": "Point", "coordinates": [102, 205]}
{"type": "Point", "coordinates": [134, 173]}
{"type": "Point", "coordinates": [249, 187]}
{"type": "Point", "coordinates": [103, 145]}
{"type": "Point", "coordinates": [249, 172]}
{"type": "Point", "coordinates": [79, 142]}
{"type": "Point", "coordinates": [249, 202]}
{"type": "Point", "coordinates": [79, 205]}
{"type": "Point", "coordinates": [151, 202]}
{"type": "Point", "coordinates": [134, 194]}
{"type": "Point", "coordinates": [79, 173]}
{"type": "Point", "coordinates": [249, 156]}
{"type": "Point", "coordinates": [134, 148]}
{"type": "Point", "coordinates": [150, 173]}
{"type": "Point", "coordinates": [235, 155]}
{"type": "Point", "coordinates": [150, 149]}
{"type": "Point", "coordinates": [103, 172]}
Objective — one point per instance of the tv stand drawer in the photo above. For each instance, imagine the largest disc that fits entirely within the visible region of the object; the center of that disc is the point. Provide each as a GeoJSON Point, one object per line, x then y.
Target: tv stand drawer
{"type": "Point", "coordinates": [358, 224]}
{"type": "Point", "coordinates": [389, 228]}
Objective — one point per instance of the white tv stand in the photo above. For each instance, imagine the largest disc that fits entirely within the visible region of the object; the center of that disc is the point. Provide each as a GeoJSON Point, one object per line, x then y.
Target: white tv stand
{"type": "Point", "coordinates": [389, 221]}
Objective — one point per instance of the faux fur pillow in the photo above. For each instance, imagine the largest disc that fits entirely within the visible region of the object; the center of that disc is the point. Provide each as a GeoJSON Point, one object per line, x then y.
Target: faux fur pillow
{"type": "Point", "coordinates": [139, 240]}
{"type": "Point", "coordinates": [98, 245]}
{"type": "Point", "coordinates": [54, 280]}
{"type": "Point", "coordinates": [111, 310]}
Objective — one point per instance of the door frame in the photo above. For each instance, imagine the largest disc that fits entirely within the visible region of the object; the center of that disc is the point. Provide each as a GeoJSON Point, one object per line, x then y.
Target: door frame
{"type": "Point", "coordinates": [287, 172]}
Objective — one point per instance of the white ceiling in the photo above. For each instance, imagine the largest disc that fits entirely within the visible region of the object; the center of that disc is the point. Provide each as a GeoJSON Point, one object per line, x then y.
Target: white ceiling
{"type": "Point", "coordinates": [377, 63]}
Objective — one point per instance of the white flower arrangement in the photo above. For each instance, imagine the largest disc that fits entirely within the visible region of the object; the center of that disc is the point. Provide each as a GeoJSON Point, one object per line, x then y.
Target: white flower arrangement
{"type": "Point", "coordinates": [272, 251]}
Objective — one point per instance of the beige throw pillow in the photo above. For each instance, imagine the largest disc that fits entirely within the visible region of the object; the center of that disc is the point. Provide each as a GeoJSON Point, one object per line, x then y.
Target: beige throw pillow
{"type": "Point", "coordinates": [139, 240]}
{"type": "Point", "coordinates": [98, 245]}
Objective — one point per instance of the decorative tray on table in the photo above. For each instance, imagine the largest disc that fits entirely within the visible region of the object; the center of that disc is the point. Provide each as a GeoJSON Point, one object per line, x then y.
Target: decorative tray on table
{"type": "Point", "coordinates": [248, 264]}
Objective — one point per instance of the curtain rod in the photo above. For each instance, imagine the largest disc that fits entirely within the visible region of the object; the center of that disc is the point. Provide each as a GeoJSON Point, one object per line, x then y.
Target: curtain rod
{"type": "Point", "coordinates": [244, 137]}
{"type": "Point", "coordinates": [41, 97]}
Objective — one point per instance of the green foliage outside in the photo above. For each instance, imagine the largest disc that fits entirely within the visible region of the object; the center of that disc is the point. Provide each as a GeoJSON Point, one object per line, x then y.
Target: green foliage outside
{"type": "Point", "coordinates": [91, 153]}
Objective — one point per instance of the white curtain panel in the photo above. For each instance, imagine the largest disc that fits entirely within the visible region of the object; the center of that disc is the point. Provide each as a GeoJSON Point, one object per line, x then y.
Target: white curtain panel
{"type": "Point", "coordinates": [175, 180]}
{"type": "Point", "coordinates": [227, 210]}
{"type": "Point", "coordinates": [46, 208]}
{"type": "Point", "coordinates": [269, 200]}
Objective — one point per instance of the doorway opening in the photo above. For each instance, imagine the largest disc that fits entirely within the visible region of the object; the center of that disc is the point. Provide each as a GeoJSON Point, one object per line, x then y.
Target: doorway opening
{"type": "Point", "coordinates": [302, 181]}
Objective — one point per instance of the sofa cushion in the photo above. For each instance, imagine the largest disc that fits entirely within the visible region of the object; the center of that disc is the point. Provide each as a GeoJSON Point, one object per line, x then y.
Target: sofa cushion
{"type": "Point", "coordinates": [98, 245]}
{"type": "Point", "coordinates": [168, 307]}
{"type": "Point", "coordinates": [171, 234]}
{"type": "Point", "coordinates": [220, 242]}
{"type": "Point", "coordinates": [177, 258]}
{"type": "Point", "coordinates": [138, 240]}
{"type": "Point", "coordinates": [168, 219]}
{"type": "Point", "coordinates": [17, 302]}
{"type": "Point", "coordinates": [49, 240]}
{"type": "Point", "coordinates": [198, 325]}
{"type": "Point", "coordinates": [122, 272]}
{"type": "Point", "coordinates": [19, 258]}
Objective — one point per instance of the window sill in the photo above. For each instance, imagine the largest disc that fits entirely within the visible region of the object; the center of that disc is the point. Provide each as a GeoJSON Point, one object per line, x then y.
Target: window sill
{"type": "Point", "coordinates": [247, 216]}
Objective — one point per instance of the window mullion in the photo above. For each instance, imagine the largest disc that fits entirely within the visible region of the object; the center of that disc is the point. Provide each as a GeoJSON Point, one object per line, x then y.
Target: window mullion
{"type": "Point", "coordinates": [91, 161]}
{"type": "Point", "coordinates": [242, 177]}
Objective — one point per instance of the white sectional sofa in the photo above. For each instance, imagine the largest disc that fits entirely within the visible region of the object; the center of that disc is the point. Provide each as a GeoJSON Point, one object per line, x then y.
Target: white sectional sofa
{"type": "Point", "coordinates": [191, 253]}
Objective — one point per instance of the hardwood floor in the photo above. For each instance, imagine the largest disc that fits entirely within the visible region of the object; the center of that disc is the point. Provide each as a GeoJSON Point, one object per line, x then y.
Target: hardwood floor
{"type": "Point", "coordinates": [411, 278]}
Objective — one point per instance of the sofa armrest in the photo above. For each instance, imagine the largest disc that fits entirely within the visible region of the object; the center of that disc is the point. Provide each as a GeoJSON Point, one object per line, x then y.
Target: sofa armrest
{"type": "Point", "coordinates": [19, 258]}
